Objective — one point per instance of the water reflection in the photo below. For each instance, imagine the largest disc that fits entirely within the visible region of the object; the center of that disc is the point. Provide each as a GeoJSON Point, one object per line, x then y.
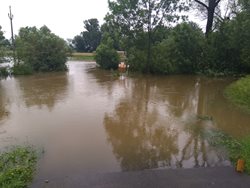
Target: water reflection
{"type": "Point", "coordinates": [3, 104]}
{"type": "Point", "coordinates": [149, 121]}
{"type": "Point", "coordinates": [159, 122]}
{"type": "Point", "coordinates": [105, 79]}
{"type": "Point", "coordinates": [43, 90]}
{"type": "Point", "coordinates": [139, 141]}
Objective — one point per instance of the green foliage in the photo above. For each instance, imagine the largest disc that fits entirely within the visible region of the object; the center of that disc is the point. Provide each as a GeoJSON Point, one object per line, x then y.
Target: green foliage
{"type": "Point", "coordinates": [140, 28]}
{"type": "Point", "coordinates": [4, 44]}
{"type": "Point", "coordinates": [17, 167]}
{"type": "Point", "coordinates": [4, 72]}
{"type": "Point", "coordinates": [228, 49]}
{"type": "Point", "coordinates": [140, 19]}
{"type": "Point", "coordinates": [239, 93]}
{"type": "Point", "coordinates": [236, 148]}
{"type": "Point", "coordinates": [41, 50]}
{"type": "Point", "coordinates": [179, 52]}
{"type": "Point", "coordinates": [245, 152]}
{"type": "Point", "coordinates": [106, 56]}
{"type": "Point", "coordinates": [88, 40]}
{"type": "Point", "coordinates": [22, 69]}
{"type": "Point", "coordinates": [109, 29]}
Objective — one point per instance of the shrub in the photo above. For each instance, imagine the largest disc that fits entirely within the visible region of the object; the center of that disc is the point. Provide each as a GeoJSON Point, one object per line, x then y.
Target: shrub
{"type": "Point", "coordinates": [4, 72]}
{"type": "Point", "coordinates": [106, 56]}
{"type": "Point", "coordinates": [41, 50]}
{"type": "Point", "coordinates": [22, 69]}
{"type": "Point", "coordinates": [236, 148]}
{"type": "Point", "coordinates": [137, 59]}
{"type": "Point", "coordinates": [180, 52]}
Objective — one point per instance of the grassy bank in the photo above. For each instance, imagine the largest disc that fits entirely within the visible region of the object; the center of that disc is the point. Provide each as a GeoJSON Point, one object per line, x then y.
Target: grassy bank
{"type": "Point", "coordinates": [17, 167]}
{"type": "Point", "coordinates": [236, 148]}
{"type": "Point", "coordinates": [239, 93]}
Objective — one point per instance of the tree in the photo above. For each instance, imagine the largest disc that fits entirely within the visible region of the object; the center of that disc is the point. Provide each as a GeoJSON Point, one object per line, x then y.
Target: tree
{"type": "Point", "coordinates": [41, 50]}
{"type": "Point", "coordinates": [4, 43]}
{"type": "Point", "coordinates": [180, 52]}
{"type": "Point", "coordinates": [210, 6]}
{"type": "Point", "coordinates": [136, 17]}
{"type": "Point", "coordinates": [88, 40]}
{"type": "Point", "coordinates": [110, 30]}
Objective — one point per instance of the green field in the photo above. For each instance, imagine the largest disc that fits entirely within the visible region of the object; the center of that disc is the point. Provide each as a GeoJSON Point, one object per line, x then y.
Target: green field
{"type": "Point", "coordinates": [83, 57]}
{"type": "Point", "coordinates": [78, 56]}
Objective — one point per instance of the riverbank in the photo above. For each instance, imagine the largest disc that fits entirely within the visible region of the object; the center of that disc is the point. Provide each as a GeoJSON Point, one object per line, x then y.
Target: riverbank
{"type": "Point", "coordinates": [196, 177]}
{"type": "Point", "coordinates": [239, 93]}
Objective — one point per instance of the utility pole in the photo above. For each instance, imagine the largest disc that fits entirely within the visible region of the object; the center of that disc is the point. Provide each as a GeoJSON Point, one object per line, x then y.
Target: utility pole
{"type": "Point", "coordinates": [10, 15]}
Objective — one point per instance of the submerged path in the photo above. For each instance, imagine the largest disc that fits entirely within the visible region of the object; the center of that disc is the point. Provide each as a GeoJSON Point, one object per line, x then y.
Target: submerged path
{"type": "Point", "coordinates": [189, 178]}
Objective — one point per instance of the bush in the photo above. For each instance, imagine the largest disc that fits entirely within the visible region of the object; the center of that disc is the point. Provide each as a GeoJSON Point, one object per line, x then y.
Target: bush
{"type": "Point", "coordinates": [4, 72]}
{"type": "Point", "coordinates": [228, 49]}
{"type": "Point", "coordinates": [106, 56]}
{"type": "Point", "coordinates": [239, 93]}
{"type": "Point", "coordinates": [41, 50]}
{"type": "Point", "coordinates": [236, 148]}
{"type": "Point", "coordinates": [176, 50]}
{"type": "Point", "coordinates": [22, 69]}
{"type": "Point", "coordinates": [137, 59]}
{"type": "Point", "coordinates": [180, 52]}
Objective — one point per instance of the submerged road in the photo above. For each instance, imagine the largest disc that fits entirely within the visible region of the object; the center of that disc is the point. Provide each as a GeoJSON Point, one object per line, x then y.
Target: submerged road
{"type": "Point", "coordinates": [188, 178]}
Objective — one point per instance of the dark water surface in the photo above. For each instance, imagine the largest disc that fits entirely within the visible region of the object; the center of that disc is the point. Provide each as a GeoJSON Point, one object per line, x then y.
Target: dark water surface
{"type": "Point", "coordinates": [87, 120]}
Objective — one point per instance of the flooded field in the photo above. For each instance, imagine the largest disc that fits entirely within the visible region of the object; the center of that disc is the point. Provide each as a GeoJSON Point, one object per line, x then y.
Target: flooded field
{"type": "Point", "coordinates": [89, 121]}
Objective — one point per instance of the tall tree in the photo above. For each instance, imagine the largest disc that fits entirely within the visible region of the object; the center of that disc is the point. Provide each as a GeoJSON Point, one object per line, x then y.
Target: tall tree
{"type": "Point", "coordinates": [140, 16]}
{"type": "Point", "coordinates": [89, 39]}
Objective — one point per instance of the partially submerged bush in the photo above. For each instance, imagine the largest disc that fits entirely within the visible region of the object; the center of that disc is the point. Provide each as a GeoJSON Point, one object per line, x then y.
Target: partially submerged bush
{"type": "Point", "coordinates": [4, 72]}
{"type": "Point", "coordinates": [22, 69]}
{"type": "Point", "coordinates": [106, 56]}
{"type": "Point", "coordinates": [41, 50]}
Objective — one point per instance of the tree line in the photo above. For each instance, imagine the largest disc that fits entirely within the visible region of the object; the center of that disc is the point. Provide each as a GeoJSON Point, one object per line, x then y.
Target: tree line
{"type": "Point", "coordinates": [155, 35]}
{"type": "Point", "coordinates": [158, 38]}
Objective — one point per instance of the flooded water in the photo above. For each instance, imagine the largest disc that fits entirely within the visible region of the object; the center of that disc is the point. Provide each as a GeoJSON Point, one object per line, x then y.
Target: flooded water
{"type": "Point", "coordinates": [87, 120]}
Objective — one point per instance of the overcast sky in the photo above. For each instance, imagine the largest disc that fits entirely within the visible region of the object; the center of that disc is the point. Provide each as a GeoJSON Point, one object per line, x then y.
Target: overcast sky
{"type": "Point", "coordinates": [63, 17]}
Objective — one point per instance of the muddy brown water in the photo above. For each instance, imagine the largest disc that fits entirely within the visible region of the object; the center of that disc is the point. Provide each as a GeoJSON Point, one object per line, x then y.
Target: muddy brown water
{"type": "Point", "coordinates": [87, 120]}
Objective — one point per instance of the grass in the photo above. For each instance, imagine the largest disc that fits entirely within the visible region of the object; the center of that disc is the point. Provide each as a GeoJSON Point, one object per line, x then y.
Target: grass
{"type": "Point", "coordinates": [90, 56]}
{"type": "Point", "coordinates": [236, 148]}
{"type": "Point", "coordinates": [83, 57]}
{"type": "Point", "coordinates": [17, 167]}
{"type": "Point", "coordinates": [239, 93]}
